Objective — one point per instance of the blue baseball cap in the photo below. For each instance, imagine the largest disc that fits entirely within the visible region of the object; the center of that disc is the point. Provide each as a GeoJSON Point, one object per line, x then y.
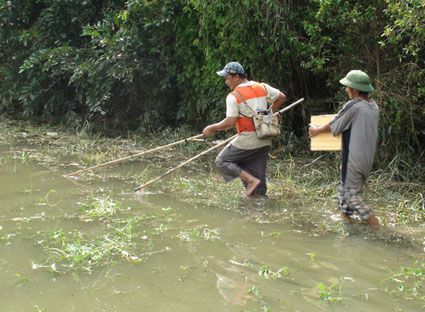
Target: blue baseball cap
{"type": "Point", "coordinates": [231, 68]}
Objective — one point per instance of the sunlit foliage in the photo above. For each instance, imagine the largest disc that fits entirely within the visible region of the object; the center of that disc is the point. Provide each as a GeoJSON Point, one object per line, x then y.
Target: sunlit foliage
{"type": "Point", "coordinates": [147, 65]}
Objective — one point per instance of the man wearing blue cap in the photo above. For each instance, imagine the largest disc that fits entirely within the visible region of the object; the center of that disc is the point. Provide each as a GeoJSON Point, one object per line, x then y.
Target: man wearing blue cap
{"type": "Point", "coordinates": [246, 156]}
{"type": "Point", "coordinates": [358, 122]}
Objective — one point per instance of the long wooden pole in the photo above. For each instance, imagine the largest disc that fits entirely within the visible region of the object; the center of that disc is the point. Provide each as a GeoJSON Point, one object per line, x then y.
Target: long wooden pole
{"type": "Point", "coordinates": [134, 155]}
{"type": "Point", "coordinates": [184, 163]}
{"type": "Point", "coordinates": [289, 107]}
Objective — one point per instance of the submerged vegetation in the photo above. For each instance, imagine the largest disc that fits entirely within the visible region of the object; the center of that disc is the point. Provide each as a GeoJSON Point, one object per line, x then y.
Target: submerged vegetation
{"type": "Point", "coordinates": [409, 282]}
{"type": "Point", "coordinates": [330, 293]}
{"type": "Point", "coordinates": [267, 272]}
{"type": "Point", "coordinates": [103, 229]}
{"type": "Point", "coordinates": [100, 207]}
{"type": "Point", "coordinates": [75, 251]}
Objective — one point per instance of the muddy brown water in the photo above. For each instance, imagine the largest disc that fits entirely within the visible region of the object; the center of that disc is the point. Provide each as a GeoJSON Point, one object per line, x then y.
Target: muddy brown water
{"type": "Point", "coordinates": [199, 256]}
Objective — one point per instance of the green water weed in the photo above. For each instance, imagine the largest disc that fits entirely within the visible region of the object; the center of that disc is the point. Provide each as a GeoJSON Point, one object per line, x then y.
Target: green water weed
{"type": "Point", "coordinates": [100, 207]}
{"type": "Point", "coordinates": [38, 308]}
{"type": "Point", "coordinates": [76, 251]}
{"type": "Point", "coordinates": [254, 291]}
{"type": "Point", "coordinates": [190, 235]}
{"type": "Point", "coordinates": [198, 233]}
{"type": "Point", "coordinates": [207, 190]}
{"type": "Point", "coordinates": [408, 282]}
{"type": "Point", "coordinates": [312, 256]}
{"type": "Point", "coordinates": [21, 281]}
{"type": "Point", "coordinates": [266, 272]}
{"type": "Point", "coordinates": [23, 156]}
{"type": "Point", "coordinates": [95, 157]}
{"type": "Point", "coordinates": [331, 293]}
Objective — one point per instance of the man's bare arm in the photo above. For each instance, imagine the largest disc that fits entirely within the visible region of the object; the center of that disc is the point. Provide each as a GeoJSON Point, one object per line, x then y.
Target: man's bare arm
{"type": "Point", "coordinates": [226, 123]}
{"type": "Point", "coordinates": [313, 131]}
{"type": "Point", "coordinates": [281, 98]}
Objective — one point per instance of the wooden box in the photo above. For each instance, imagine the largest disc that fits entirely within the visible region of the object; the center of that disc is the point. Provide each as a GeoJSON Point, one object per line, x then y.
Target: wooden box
{"type": "Point", "coordinates": [324, 141]}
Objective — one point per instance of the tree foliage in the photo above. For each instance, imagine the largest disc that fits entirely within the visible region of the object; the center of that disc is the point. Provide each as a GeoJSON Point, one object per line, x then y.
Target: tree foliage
{"type": "Point", "coordinates": [147, 64]}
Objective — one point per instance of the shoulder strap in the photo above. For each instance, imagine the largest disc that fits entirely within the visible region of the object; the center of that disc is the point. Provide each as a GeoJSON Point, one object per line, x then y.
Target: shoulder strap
{"type": "Point", "coordinates": [265, 89]}
{"type": "Point", "coordinates": [240, 98]}
{"type": "Point", "coordinates": [269, 107]}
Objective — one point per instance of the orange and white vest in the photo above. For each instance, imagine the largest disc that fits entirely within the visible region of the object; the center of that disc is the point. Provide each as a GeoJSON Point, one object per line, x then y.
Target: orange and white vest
{"type": "Point", "coordinates": [257, 90]}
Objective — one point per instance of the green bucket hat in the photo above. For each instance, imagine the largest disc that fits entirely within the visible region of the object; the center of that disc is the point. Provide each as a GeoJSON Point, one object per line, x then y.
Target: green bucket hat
{"type": "Point", "coordinates": [358, 80]}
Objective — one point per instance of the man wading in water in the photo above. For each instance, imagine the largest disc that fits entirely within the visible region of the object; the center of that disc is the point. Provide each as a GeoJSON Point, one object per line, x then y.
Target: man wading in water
{"type": "Point", "coordinates": [246, 156]}
{"type": "Point", "coordinates": [358, 122]}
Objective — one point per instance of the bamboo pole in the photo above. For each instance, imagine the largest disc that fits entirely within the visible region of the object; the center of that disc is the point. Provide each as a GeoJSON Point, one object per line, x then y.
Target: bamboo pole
{"type": "Point", "coordinates": [184, 163]}
{"type": "Point", "coordinates": [134, 155]}
{"type": "Point", "coordinates": [289, 107]}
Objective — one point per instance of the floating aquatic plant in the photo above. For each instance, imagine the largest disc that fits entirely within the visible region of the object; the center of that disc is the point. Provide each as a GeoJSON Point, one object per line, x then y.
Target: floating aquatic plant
{"type": "Point", "coordinates": [197, 233]}
{"type": "Point", "coordinates": [76, 251]}
{"type": "Point", "coordinates": [267, 272]}
{"type": "Point", "coordinates": [408, 282]}
{"type": "Point", "coordinates": [331, 293]}
{"type": "Point", "coordinates": [100, 207]}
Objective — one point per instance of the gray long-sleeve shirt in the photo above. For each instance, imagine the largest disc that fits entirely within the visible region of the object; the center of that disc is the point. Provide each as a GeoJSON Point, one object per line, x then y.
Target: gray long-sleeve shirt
{"type": "Point", "coordinates": [358, 122]}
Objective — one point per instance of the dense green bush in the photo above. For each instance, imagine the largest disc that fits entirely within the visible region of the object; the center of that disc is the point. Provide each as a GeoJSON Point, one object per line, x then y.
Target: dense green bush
{"type": "Point", "coordinates": [148, 64]}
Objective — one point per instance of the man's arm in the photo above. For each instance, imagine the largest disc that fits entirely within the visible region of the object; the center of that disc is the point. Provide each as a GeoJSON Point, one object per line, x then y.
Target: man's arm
{"type": "Point", "coordinates": [226, 123]}
{"type": "Point", "coordinates": [313, 131]}
{"type": "Point", "coordinates": [281, 98]}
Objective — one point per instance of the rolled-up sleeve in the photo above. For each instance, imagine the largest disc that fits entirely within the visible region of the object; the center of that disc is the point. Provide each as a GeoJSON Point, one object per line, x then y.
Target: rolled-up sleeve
{"type": "Point", "coordinates": [231, 106]}
{"type": "Point", "coordinates": [272, 93]}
